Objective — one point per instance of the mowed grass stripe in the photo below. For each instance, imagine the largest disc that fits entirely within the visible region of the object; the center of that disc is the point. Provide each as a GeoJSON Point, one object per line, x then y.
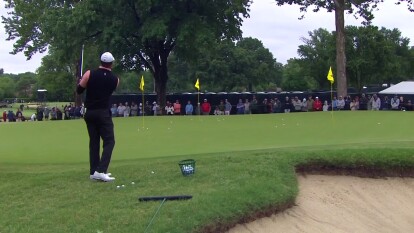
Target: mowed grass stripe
{"type": "Point", "coordinates": [244, 164]}
{"type": "Point", "coordinates": [67, 141]}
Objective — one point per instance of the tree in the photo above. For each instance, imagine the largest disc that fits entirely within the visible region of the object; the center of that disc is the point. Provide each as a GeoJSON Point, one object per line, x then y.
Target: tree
{"type": "Point", "coordinates": [376, 56]}
{"type": "Point", "coordinates": [317, 53]}
{"type": "Point", "coordinates": [362, 8]}
{"type": "Point", "coordinates": [139, 33]}
{"type": "Point", "coordinates": [245, 65]}
{"type": "Point", "coordinates": [295, 77]}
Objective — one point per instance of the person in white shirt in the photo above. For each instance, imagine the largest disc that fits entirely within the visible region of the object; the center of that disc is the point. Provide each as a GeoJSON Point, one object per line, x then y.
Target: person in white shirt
{"type": "Point", "coordinates": [376, 102]}
{"type": "Point", "coordinates": [340, 103]}
{"type": "Point", "coordinates": [395, 103]}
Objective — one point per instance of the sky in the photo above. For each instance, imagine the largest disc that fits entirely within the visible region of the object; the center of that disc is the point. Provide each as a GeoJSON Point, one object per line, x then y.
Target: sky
{"type": "Point", "coordinates": [278, 27]}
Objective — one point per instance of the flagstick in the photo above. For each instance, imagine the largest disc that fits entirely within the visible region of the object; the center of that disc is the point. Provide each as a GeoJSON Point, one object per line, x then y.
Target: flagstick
{"type": "Point", "coordinates": [143, 108]}
{"type": "Point", "coordinates": [198, 104]}
{"type": "Point", "coordinates": [332, 110]}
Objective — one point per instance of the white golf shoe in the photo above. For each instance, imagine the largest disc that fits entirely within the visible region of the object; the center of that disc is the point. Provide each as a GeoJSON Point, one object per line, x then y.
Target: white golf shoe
{"type": "Point", "coordinates": [101, 176]}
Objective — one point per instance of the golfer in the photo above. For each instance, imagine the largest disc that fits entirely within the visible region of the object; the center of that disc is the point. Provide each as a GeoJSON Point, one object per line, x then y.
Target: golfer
{"type": "Point", "coordinates": [99, 85]}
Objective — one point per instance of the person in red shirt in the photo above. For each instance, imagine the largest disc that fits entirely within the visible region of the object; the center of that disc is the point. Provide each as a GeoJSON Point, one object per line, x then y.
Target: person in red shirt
{"type": "Point", "coordinates": [177, 108]}
{"type": "Point", "coordinates": [205, 107]}
{"type": "Point", "coordinates": [317, 105]}
{"type": "Point", "coordinates": [4, 116]}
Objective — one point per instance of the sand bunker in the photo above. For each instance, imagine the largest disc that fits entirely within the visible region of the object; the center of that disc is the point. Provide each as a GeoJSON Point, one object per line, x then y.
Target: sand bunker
{"type": "Point", "coordinates": [343, 204]}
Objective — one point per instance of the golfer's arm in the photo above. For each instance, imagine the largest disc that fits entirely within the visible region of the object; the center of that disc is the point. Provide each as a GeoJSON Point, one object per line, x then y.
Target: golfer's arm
{"type": "Point", "coordinates": [83, 83]}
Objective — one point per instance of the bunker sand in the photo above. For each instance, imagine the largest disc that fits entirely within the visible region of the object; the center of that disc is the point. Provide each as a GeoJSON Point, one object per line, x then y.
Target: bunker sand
{"type": "Point", "coordinates": [343, 204]}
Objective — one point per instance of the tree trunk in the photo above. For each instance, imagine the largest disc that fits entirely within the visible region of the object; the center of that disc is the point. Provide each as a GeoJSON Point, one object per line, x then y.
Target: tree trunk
{"type": "Point", "coordinates": [342, 88]}
{"type": "Point", "coordinates": [160, 73]}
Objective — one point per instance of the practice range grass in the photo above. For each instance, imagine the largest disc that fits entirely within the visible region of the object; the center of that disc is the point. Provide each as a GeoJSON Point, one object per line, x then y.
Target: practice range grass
{"type": "Point", "coordinates": [244, 164]}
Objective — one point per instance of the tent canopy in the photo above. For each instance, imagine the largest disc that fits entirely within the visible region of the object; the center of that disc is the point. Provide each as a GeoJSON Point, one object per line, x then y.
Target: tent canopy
{"type": "Point", "coordinates": [403, 88]}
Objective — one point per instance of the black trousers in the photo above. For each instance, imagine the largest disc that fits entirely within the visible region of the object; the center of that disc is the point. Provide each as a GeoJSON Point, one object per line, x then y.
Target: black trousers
{"type": "Point", "coordinates": [100, 125]}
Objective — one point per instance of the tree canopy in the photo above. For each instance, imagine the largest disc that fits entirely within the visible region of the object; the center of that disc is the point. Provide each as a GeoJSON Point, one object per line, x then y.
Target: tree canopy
{"type": "Point", "coordinates": [141, 34]}
{"type": "Point", "coordinates": [360, 8]}
{"type": "Point", "coordinates": [374, 56]}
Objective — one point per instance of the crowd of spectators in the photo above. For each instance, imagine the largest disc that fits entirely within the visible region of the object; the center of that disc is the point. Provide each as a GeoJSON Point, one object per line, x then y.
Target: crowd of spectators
{"type": "Point", "coordinates": [224, 107]}
{"type": "Point", "coordinates": [44, 113]}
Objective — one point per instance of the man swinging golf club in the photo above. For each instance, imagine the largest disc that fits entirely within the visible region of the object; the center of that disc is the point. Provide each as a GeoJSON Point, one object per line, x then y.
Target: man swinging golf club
{"type": "Point", "coordinates": [99, 85]}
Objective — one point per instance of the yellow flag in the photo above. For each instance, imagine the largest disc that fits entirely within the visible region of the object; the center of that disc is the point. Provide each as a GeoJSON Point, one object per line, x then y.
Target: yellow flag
{"type": "Point", "coordinates": [330, 76]}
{"type": "Point", "coordinates": [141, 84]}
{"type": "Point", "coordinates": [197, 84]}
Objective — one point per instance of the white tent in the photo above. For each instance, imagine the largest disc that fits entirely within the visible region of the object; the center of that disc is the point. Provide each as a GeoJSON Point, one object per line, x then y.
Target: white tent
{"type": "Point", "coordinates": [403, 88]}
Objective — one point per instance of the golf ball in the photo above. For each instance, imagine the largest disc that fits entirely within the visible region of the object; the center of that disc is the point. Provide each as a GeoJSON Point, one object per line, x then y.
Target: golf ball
{"type": "Point", "coordinates": [132, 182]}
{"type": "Point", "coordinates": [152, 172]}
{"type": "Point", "coordinates": [118, 187]}
{"type": "Point", "coordinates": [123, 186]}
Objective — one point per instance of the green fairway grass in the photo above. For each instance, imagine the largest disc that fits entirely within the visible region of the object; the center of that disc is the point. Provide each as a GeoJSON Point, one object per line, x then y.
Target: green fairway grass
{"type": "Point", "coordinates": [245, 167]}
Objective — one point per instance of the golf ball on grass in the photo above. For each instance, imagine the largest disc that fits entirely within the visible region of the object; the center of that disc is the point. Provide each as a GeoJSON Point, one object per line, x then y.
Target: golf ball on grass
{"type": "Point", "coordinates": [118, 187]}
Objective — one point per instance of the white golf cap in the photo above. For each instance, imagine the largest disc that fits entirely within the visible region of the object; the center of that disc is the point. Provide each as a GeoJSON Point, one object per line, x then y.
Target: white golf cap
{"type": "Point", "coordinates": [107, 57]}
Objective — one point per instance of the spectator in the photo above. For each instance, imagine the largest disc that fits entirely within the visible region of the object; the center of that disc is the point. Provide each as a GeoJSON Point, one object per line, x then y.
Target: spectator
{"type": "Point", "coordinates": [39, 114]}
{"type": "Point", "coordinates": [363, 101]}
{"type": "Point", "coordinates": [317, 104]}
{"type": "Point", "coordinates": [189, 108]}
{"type": "Point", "coordinates": [297, 104]}
{"type": "Point", "coordinates": [340, 103]}
{"type": "Point", "coordinates": [376, 103]}
{"type": "Point", "coordinates": [353, 105]}
{"type": "Point", "coordinates": [347, 102]}
{"type": "Point", "coordinates": [325, 106]}
{"type": "Point", "coordinates": [287, 105]}
{"type": "Point", "coordinates": [177, 108]}
{"type": "Point", "coordinates": [46, 113]}
{"type": "Point", "coordinates": [369, 103]}
{"type": "Point", "coordinates": [304, 105]}
{"type": "Point", "coordinates": [19, 115]}
{"type": "Point", "coordinates": [227, 107]}
{"type": "Point", "coordinates": [395, 103]}
{"type": "Point", "coordinates": [205, 107]}
{"type": "Point", "coordinates": [127, 110]}
{"type": "Point", "coordinates": [335, 103]}
{"type": "Point", "coordinates": [134, 109]}
{"type": "Point", "coordinates": [140, 110]}
{"type": "Point", "coordinates": [385, 105]}
{"type": "Point", "coordinates": [310, 103]}
{"type": "Point", "coordinates": [264, 104]}
{"type": "Point", "coordinates": [33, 117]}
{"type": "Point", "coordinates": [402, 103]}
{"type": "Point", "coordinates": [240, 107]}
{"type": "Point", "coordinates": [216, 111]}
{"type": "Point", "coordinates": [169, 109]}
{"type": "Point", "coordinates": [247, 107]}
{"type": "Point", "coordinates": [277, 106]}
{"type": "Point", "coordinates": [114, 110]}
{"type": "Point", "coordinates": [220, 108]}
{"type": "Point", "coordinates": [121, 110]}
{"type": "Point", "coordinates": [155, 108]}
{"type": "Point", "coordinates": [11, 116]}
{"type": "Point", "coordinates": [253, 106]}
{"type": "Point", "coordinates": [53, 115]}
{"type": "Point", "coordinates": [4, 115]}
